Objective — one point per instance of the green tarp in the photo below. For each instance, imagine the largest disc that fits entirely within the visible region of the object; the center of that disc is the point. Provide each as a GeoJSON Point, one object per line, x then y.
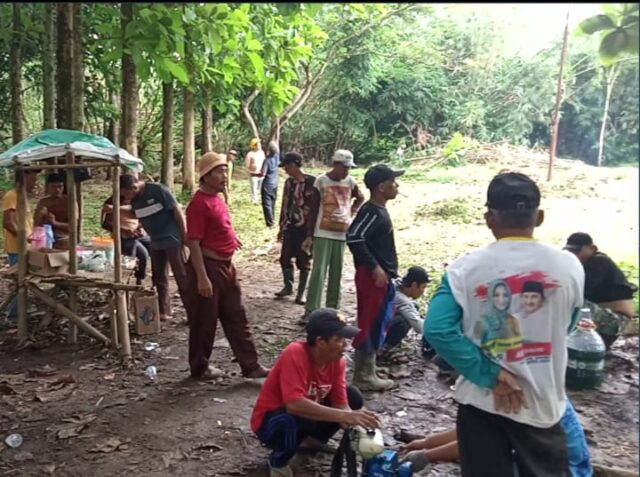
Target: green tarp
{"type": "Point", "coordinates": [53, 143]}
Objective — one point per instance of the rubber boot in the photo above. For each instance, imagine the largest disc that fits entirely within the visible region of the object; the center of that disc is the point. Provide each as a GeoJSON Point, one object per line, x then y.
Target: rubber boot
{"type": "Point", "coordinates": [302, 284]}
{"type": "Point", "coordinates": [364, 374]}
{"type": "Point", "coordinates": [287, 276]}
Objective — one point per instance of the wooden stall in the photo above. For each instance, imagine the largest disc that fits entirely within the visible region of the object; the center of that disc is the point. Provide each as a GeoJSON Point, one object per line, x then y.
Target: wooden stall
{"type": "Point", "coordinates": [79, 150]}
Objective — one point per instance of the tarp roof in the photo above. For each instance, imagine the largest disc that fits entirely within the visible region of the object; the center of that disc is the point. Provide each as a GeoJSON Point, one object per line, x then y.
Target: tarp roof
{"type": "Point", "coordinates": [52, 143]}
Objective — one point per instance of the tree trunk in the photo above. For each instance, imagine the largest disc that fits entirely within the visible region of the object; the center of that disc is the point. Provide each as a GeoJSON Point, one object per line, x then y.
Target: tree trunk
{"type": "Point", "coordinates": [207, 123]}
{"type": "Point", "coordinates": [247, 112]}
{"type": "Point", "coordinates": [129, 125]}
{"type": "Point", "coordinates": [611, 78]}
{"type": "Point", "coordinates": [166, 170]}
{"type": "Point", "coordinates": [188, 159]}
{"type": "Point", "coordinates": [64, 70]}
{"type": "Point", "coordinates": [77, 87]}
{"type": "Point", "coordinates": [49, 68]}
{"type": "Point", "coordinates": [113, 126]}
{"type": "Point", "coordinates": [559, 97]}
{"type": "Point", "coordinates": [15, 75]}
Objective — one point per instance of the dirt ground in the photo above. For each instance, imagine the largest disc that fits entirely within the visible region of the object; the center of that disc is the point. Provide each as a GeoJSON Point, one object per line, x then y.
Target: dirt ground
{"type": "Point", "coordinates": [81, 414]}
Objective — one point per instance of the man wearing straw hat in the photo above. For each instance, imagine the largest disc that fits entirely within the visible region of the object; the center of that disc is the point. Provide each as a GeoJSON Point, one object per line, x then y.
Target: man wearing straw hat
{"type": "Point", "coordinates": [214, 291]}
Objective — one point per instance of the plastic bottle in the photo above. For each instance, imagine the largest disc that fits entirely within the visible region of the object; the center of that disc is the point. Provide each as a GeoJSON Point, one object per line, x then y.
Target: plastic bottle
{"type": "Point", "coordinates": [152, 372]}
{"type": "Point", "coordinates": [585, 367]}
{"type": "Point", "coordinates": [48, 229]}
{"type": "Point", "coordinates": [39, 237]}
{"type": "Point", "coordinates": [14, 441]}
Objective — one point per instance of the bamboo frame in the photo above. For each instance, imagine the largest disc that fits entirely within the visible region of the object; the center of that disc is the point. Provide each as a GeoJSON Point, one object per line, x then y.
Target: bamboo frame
{"type": "Point", "coordinates": [66, 312]}
{"type": "Point", "coordinates": [23, 259]}
{"type": "Point", "coordinates": [120, 323]}
{"type": "Point", "coordinates": [79, 165]}
{"type": "Point", "coordinates": [122, 315]}
{"type": "Point", "coordinates": [70, 158]}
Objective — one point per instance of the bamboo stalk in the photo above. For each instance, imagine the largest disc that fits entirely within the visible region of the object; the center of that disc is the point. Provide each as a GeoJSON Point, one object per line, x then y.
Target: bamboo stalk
{"type": "Point", "coordinates": [72, 337]}
{"type": "Point", "coordinates": [23, 324]}
{"type": "Point", "coordinates": [66, 312]}
{"type": "Point", "coordinates": [121, 305]}
{"type": "Point", "coordinates": [43, 167]}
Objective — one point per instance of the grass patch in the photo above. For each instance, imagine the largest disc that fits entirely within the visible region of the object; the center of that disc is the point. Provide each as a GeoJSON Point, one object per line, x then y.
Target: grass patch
{"type": "Point", "coordinates": [455, 211]}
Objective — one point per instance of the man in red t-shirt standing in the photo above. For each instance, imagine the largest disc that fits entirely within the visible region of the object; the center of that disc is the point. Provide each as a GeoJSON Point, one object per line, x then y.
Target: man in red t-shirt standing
{"type": "Point", "coordinates": [306, 395]}
{"type": "Point", "coordinates": [214, 291]}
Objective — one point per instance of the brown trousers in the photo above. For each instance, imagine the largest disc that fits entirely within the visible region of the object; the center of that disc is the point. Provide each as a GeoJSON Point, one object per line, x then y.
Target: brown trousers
{"type": "Point", "coordinates": [225, 305]}
{"type": "Point", "coordinates": [160, 259]}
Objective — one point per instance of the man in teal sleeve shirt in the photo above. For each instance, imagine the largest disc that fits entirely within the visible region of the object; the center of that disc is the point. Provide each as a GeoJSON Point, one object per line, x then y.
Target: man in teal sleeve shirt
{"type": "Point", "coordinates": [511, 390]}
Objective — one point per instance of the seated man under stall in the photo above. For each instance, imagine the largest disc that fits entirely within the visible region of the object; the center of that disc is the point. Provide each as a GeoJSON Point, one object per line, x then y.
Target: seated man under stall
{"type": "Point", "coordinates": [133, 239]}
{"type": "Point", "coordinates": [306, 393]}
{"type": "Point", "coordinates": [53, 209]}
{"type": "Point", "coordinates": [607, 292]}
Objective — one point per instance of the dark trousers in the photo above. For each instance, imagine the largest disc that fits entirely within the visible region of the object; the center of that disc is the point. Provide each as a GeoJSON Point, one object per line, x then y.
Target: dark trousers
{"type": "Point", "coordinates": [269, 203]}
{"type": "Point", "coordinates": [225, 305]}
{"type": "Point", "coordinates": [160, 260]}
{"type": "Point", "coordinates": [494, 446]}
{"type": "Point", "coordinates": [140, 248]}
{"type": "Point", "coordinates": [283, 432]}
{"type": "Point", "coordinates": [398, 329]}
{"type": "Point", "coordinates": [292, 239]}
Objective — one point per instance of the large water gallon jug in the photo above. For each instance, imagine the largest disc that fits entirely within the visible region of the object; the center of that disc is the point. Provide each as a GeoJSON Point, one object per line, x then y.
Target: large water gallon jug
{"type": "Point", "coordinates": [585, 368]}
{"type": "Point", "coordinates": [39, 237]}
{"type": "Point", "coordinates": [48, 229]}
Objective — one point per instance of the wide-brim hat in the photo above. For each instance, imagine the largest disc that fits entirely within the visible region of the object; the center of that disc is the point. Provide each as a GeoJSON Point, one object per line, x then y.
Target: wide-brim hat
{"type": "Point", "coordinates": [210, 161]}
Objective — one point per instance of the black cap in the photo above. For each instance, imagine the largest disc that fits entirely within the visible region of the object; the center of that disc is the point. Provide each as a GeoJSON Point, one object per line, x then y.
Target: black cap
{"type": "Point", "coordinates": [415, 275]}
{"type": "Point", "coordinates": [329, 322]}
{"type": "Point", "coordinates": [378, 174]}
{"type": "Point", "coordinates": [291, 158]}
{"type": "Point", "coordinates": [513, 191]}
{"type": "Point", "coordinates": [578, 240]}
{"type": "Point", "coordinates": [533, 287]}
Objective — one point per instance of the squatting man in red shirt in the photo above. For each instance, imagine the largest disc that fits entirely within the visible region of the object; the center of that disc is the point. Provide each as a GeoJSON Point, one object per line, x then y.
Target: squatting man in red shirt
{"type": "Point", "coordinates": [306, 394]}
{"type": "Point", "coordinates": [214, 291]}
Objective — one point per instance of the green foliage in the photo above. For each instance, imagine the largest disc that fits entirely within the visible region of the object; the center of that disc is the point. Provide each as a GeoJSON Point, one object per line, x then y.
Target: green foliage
{"type": "Point", "coordinates": [456, 211]}
{"type": "Point", "coordinates": [455, 150]}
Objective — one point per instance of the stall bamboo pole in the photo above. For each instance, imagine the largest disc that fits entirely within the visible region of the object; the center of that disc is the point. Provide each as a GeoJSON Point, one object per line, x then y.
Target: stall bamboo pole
{"type": "Point", "coordinates": [121, 304]}
{"type": "Point", "coordinates": [73, 240]}
{"type": "Point", "coordinates": [44, 167]}
{"type": "Point", "coordinates": [23, 324]}
{"type": "Point", "coordinates": [67, 313]}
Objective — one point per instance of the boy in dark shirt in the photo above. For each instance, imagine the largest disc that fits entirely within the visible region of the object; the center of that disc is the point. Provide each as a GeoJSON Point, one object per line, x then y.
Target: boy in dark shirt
{"type": "Point", "coordinates": [370, 239]}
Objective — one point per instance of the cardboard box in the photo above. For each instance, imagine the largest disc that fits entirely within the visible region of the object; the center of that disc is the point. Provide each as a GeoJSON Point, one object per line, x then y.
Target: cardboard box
{"type": "Point", "coordinates": [147, 314]}
{"type": "Point", "coordinates": [48, 262]}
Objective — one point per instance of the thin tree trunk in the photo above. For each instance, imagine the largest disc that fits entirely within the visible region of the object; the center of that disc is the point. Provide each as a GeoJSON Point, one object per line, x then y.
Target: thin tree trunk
{"type": "Point", "coordinates": [188, 156]}
{"type": "Point", "coordinates": [166, 170]}
{"type": "Point", "coordinates": [49, 68]}
{"type": "Point", "coordinates": [559, 98]}
{"type": "Point", "coordinates": [611, 78]}
{"type": "Point", "coordinates": [15, 75]}
{"type": "Point", "coordinates": [207, 123]}
{"type": "Point", "coordinates": [64, 70]}
{"type": "Point", "coordinates": [77, 88]}
{"type": "Point", "coordinates": [114, 122]}
{"type": "Point", "coordinates": [247, 112]}
{"type": "Point", "coordinates": [129, 125]}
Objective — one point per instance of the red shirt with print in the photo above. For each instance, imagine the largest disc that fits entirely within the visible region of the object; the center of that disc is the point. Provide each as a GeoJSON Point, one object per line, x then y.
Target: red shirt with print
{"type": "Point", "coordinates": [295, 376]}
{"type": "Point", "coordinates": [208, 220]}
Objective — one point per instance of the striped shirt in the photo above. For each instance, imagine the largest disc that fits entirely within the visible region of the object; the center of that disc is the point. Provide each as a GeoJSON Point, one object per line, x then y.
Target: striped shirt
{"type": "Point", "coordinates": [370, 239]}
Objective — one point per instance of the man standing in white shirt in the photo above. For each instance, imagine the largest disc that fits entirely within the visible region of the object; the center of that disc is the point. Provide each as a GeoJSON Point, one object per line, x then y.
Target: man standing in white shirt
{"type": "Point", "coordinates": [511, 390]}
{"type": "Point", "coordinates": [253, 161]}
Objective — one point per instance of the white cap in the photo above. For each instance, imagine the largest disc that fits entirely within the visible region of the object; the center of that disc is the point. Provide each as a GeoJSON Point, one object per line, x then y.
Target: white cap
{"type": "Point", "coordinates": [344, 157]}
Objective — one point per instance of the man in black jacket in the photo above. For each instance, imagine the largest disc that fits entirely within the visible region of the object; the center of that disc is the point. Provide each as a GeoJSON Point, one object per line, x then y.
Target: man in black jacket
{"type": "Point", "coordinates": [606, 290]}
{"type": "Point", "coordinates": [370, 239]}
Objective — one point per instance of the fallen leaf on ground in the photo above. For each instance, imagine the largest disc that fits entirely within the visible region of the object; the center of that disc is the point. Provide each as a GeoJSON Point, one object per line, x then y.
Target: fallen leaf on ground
{"type": "Point", "coordinates": [69, 431]}
{"type": "Point", "coordinates": [109, 377]}
{"type": "Point", "coordinates": [12, 379]}
{"type": "Point", "coordinates": [41, 372]}
{"type": "Point", "coordinates": [55, 395]}
{"type": "Point", "coordinates": [78, 419]}
{"type": "Point", "coordinates": [616, 388]}
{"type": "Point", "coordinates": [110, 445]}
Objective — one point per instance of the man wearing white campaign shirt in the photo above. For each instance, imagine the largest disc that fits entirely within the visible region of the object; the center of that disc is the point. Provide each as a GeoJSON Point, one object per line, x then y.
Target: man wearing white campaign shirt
{"type": "Point", "coordinates": [511, 389]}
